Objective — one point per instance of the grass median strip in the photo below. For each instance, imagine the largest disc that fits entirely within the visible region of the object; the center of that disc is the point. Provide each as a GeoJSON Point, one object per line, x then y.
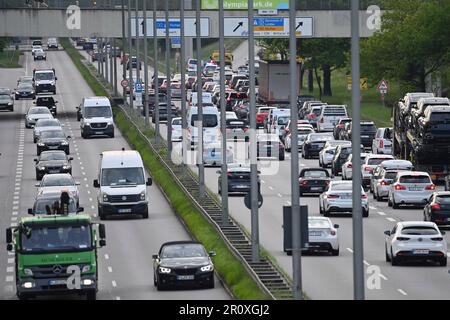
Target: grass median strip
{"type": "Point", "coordinates": [227, 265]}
{"type": "Point", "coordinates": [10, 59]}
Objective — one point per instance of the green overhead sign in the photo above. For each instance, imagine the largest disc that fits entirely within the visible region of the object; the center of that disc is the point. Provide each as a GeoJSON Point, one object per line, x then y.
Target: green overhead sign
{"type": "Point", "coordinates": [243, 4]}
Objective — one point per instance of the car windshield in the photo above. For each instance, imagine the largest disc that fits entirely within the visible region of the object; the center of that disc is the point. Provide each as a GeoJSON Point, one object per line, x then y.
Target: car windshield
{"type": "Point", "coordinates": [318, 223]}
{"type": "Point", "coordinates": [375, 161]}
{"type": "Point", "coordinates": [283, 120]}
{"type": "Point", "coordinates": [44, 76]}
{"type": "Point", "coordinates": [25, 86]}
{"type": "Point", "coordinates": [122, 176]}
{"type": "Point", "coordinates": [315, 174]}
{"type": "Point", "coordinates": [192, 62]}
{"type": "Point", "coordinates": [100, 111]}
{"type": "Point", "coordinates": [317, 111]}
{"type": "Point", "coordinates": [415, 179]}
{"type": "Point", "coordinates": [342, 187]}
{"type": "Point", "coordinates": [419, 231]}
{"type": "Point", "coordinates": [176, 122]}
{"type": "Point", "coordinates": [320, 137]}
{"type": "Point", "coordinates": [66, 238]}
{"type": "Point", "coordinates": [47, 123]}
{"type": "Point", "coordinates": [56, 180]}
{"type": "Point", "coordinates": [39, 111]}
{"type": "Point", "coordinates": [209, 120]}
{"type": "Point", "coordinates": [53, 134]}
{"type": "Point", "coordinates": [185, 250]}
{"type": "Point", "coordinates": [390, 175]}
{"type": "Point", "coordinates": [49, 156]}
{"type": "Point", "coordinates": [5, 92]}
{"type": "Point", "coordinates": [368, 128]}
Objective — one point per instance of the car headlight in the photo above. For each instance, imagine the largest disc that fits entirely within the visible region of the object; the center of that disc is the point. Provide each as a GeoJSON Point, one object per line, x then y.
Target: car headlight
{"type": "Point", "coordinates": [86, 268]}
{"type": "Point", "coordinates": [31, 92]}
{"type": "Point", "coordinates": [41, 168]}
{"type": "Point", "coordinates": [66, 167]}
{"type": "Point", "coordinates": [64, 143]}
{"type": "Point", "coordinates": [110, 123]}
{"type": "Point", "coordinates": [207, 268]}
{"type": "Point", "coordinates": [28, 285]}
{"type": "Point", "coordinates": [38, 84]}
{"type": "Point", "coordinates": [10, 103]}
{"type": "Point", "coordinates": [105, 197]}
{"type": "Point", "coordinates": [17, 92]}
{"type": "Point", "coordinates": [28, 272]}
{"type": "Point", "coordinates": [164, 270]}
{"type": "Point", "coordinates": [41, 144]}
{"type": "Point", "coordinates": [142, 195]}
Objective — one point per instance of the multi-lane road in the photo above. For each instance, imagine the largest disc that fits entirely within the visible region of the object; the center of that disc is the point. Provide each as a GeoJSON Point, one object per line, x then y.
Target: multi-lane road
{"type": "Point", "coordinates": [327, 277]}
{"type": "Point", "coordinates": [125, 264]}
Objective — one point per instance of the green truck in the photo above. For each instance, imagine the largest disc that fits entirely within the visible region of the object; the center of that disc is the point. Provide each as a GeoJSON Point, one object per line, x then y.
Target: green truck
{"type": "Point", "coordinates": [56, 254]}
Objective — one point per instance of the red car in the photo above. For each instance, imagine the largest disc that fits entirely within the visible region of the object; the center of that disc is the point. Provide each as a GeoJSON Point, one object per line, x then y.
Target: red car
{"type": "Point", "coordinates": [261, 114]}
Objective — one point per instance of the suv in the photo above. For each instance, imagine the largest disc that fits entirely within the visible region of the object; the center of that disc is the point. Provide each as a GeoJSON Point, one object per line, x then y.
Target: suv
{"type": "Point", "coordinates": [369, 165]}
{"type": "Point", "coordinates": [340, 127]}
{"type": "Point", "coordinates": [6, 99]}
{"type": "Point", "coordinates": [435, 125]}
{"type": "Point", "coordinates": [330, 116]}
{"type": "Point", "coordinates": [44, 80]}
{"type": "Point", "coordinates": [47, 101]}
{"type": "Point", "coordinates": [39, 54]}
{"type": "Point", "coordinates": [368, 131]}
{"type": "Point", "coordinates": [52, 43]}
{"type": "Point", "coordinates": [423, 104]}
{"type": "Point", "coordinates": [96, 118]}
{"type": "Point", "coordinates": [410, 187]}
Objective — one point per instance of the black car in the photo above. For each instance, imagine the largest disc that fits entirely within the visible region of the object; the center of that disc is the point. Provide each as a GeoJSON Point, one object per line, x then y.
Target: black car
{"type": "Point", "coordinates": [340, 157]}
{"type": "Point", "coordinates": [269, 145]}
{"type": "Point", "coordinates": [49, 202]}
{"type": "Point", "coordinates": [437, 209]}
{"type": "Point", "coordinates": [52, 162]}
{"type": "Point", "coordinates": [241, 108]}
{"type": "Point", "coordinates": [163, 112]}
{"type": "Point", "coordinates": [47, 101]}
{"type": "Point", "coordinates": [238, 179]}
{"type": "Point", "coordinates": [183, 263]}
{"type": "Point", "coordinates": [313, 180]}
{"type": "Point", "coordinates": [25, 90]}
{"type": "Point", "coordinates": [314, 143]}
{"type": "Point", "coordinates": [134, 64]}
{"type": "Point", "coordinates": [53, 140]}
{"type": "Point", "coordinates": [339, 127]}
{"type": "Point", "coordinates": [162, 98]}
{"type": "Point", "coordinates": [6, 100]}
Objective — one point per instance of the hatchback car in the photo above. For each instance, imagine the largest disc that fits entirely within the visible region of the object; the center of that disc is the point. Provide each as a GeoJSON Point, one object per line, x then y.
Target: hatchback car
{"type": "Point", "coordinates": [49, 202]}
{"type": "Point", "coordinates": [437, 209]}
{"type": "Point", "coordinates": [323, 236]}
{"type": "Point", "coordinates": [340, 157]}
{"type": "Point", "coordinates": [313, 180]}
{"type": "Point", "coordinates": [36, 113]}
{"type": "Point", "coordinates": [53, 140]}
{"type": "Point", "coordinates": [183, 263]}
{"type": "Point", "coordinates": [47, 101]}
{"type": "Point", "coordinates": [303, 133]}
{"type": "Point", "coordinates": [338, 198]}
{"type": "Point", "coordinates": [58, 182]}
{"type": "Point", "coordinates": [415, 241]}
{"type": "Point", "coordinates": [39, 54]}
{"type": "Point", "coordinates": [387, 165]}
{"type": "Point", "coordinates": [52, 162]}
{"type": "Point", "coordinates": [410, 187]}
{"type": "Point", "coordinates": [314, 143]}
{"type": "Point", "coordinates": [6, 100]}
{"type": "Point", "coordinates": [44, 125]}
{"type": "Point", "coordinates": [382, 143]}
{"type": "Point", "coordinates": [371, 162]}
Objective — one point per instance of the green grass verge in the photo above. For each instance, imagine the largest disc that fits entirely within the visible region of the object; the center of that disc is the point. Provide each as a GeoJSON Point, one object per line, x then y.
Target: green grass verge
{"type": "Point", "coordinates": [371, 105]}
{"type": "Point", "coordinates": [10, 59]}
{"type": "Point", "coordinates": [229, 268]}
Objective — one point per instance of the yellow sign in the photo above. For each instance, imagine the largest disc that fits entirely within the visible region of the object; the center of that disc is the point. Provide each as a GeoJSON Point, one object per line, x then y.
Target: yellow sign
{"type": "Point", "coordinates": [363, 83]}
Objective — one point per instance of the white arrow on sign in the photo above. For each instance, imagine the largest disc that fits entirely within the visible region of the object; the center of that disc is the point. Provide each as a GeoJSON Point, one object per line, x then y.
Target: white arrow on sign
{"type": "Point", "coordinates": [238, 27]}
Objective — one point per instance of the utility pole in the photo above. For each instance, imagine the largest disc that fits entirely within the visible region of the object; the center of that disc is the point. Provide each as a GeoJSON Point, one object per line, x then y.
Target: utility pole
{"type": "Point", "coordinates": [145, 97]}
{"type": "Point", "coordinates": [169, 92]}
{"type": "Point", "coordinates": [116, 93]}
{"type": "Point", "coordinates": [184, 148]}
{"type": "Point", "coordinates": [129, 64]}
{"type": "Point", "coordinates": [358, 247]}
{"type": "Point", "coordinates": [201, 167]}
{"type": "Point", "coordinates": [138, 65]}
{"type": "Point", "coordinates": [124, 42]}
{"type": "Point", "coordinates": [155, 72]}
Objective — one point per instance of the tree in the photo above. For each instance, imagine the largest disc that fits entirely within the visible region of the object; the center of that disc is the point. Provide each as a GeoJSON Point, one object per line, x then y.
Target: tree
{"type": "Point", "coordinates": [273, 47]}
{"type": "Point", "coordinates": [412, 43]}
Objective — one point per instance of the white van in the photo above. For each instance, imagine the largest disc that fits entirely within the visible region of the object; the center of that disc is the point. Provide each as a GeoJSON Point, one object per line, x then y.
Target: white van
{"type": "Point", "coordinates": [330, 116]}
{"type": "Point", "coordinates": [211, 125]}
{"type": "Point", "coordinates": [122, 184]}
{"type": "Point", "coordinates": [271, 118]}
{"type": "Point", "coordinates": [96, 117]}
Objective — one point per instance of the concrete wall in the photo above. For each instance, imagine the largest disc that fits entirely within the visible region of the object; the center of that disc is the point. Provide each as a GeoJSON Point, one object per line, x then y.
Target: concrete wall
{"type": "Point", "coordinates": [107, 23]}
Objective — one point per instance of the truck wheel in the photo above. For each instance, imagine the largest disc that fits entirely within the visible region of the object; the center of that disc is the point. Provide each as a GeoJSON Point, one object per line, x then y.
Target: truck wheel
{"type": "Point", "coordinates": [335, 252]}
{"type": "Point", "coordinates": [145, 214]}
{"type": "Point", "coordinates": [23, 296]}
{"type": "Point", "coordinates": [101, 215]}
{"type": "Point", "coordinates": [210, 284]}
{"type": "Point", "coordinates": [91, 295]}
{"type": "Point", "coordinates": [443, 262]}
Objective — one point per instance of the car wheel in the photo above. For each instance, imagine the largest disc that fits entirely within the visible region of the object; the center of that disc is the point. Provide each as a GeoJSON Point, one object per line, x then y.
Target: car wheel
{"type": "Point", "coordinates": [145, 214]}
{"type": "Point", "coordinates": [326, 213]}
{"type": "Point", "coordinates": [394, 204]}
{"type": "Point", "coordinates": [112, 135]}
{"type": "Point", "coordinates": [365, 213]}
{"type": "Point", "coordinates": [394, 260]}
{"type": "Point", "coordinates": [389, 202]}
{"type": "Point", "coordinates": [210, 284]}
{"type": "Point", "coordinates": [289, 252]}
{"type": "Point", "coordinates": [281, 157]}
{"type": "Point", "coordinates": [443, 262]}
{"type": "Point", "coordinates": [34, 140]}
{"type": "Point", "coordinates": [101, 215]}
{"type": "Point", "coordinates": [335, 252]}
{"type": "Point", "coordinates": [159, 286]}
{"type": "Point", "coordinates": [370, 187]}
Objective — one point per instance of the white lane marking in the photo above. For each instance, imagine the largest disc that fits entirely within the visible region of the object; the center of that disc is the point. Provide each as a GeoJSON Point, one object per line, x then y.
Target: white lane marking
{"type": "Point", "coordinates": [391, 219]}
{"type": "Point", "coordinates": [79, 158]}
{"type": "Point", "coordinates": [263, 182]}
{"type": "Point", "coordinates": [382, 276]}
{"type": "Point", "coordinates": [270, 187]}
{"type": "Point", "coordinates": [90, 199]}
{"type": "Point", "coordinates": [15, 202]}
{"type": "Point", "coordinates": [366, 263]}
{"type": "Point", "coordinates": [280, 195]}
{"type": "Point", "coordinates": [381, 213]}
{"type": "Point", "coordinates": [402, 292]}
{"type": "Point", "coordinates": [85, 179]}
{"type": "Point", "coordinates": [8, 288]}
{"type": "Point", "coordinates": [372, 208]}
{"type": "Point", "coordinates": [84, 173]}
{"type": "Point", "coordinates": [9, 278]}
{"type": "Point", "coordinates": [13, 224]}
{"type": "Point", "coordinates": [288, 203]}
{"type": "Point", "coordinates": [92, 207]}
{"type": "Point", "coordinates": [81, 163]}
{"type": "Point", "coordinates": [88, 192]}
{"type": "Point", "coordinates": [348, 249]}
{"type": "Point", "coordinates": [15, 208]}
{"type": "Point", "coordinates": [10, 260]}
{"type": "Point", "coordinates": [109, 269]}
{"type": "Point", "coordinates": [14, 213]}
{"type": "Point", "coordinates": [9, 269]}
{"type": "Point", "coordinates": [13, 218]}
{"type": "Point", "coordinates": [114, 284]}
{"type": "Point", "coordinates": [117, 298]}
{"type": "Point", "coordinates": [106, 256]}
{"type": "Point", "coordinates": [87, 186]}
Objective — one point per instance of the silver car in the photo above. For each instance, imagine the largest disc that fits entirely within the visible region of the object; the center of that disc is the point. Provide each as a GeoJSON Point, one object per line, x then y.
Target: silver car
{"type": "Point", "coordinates": [347, 167]}
{"type": "Point", "coordinates": [323, 235]}
{"type": "Point", "coordinates": [410, 187]}
{"type": "Point", "coordinates": [371, 162]}
{"type": "Point", "coordinates": [338, 198]}
{"type": "Point", "coordinates": [58, 182]}
{"type": "Point", "coordinates": [392, 165]}
{"type": "Point", "coordinates": [36, 113]}
{"type": "Point", "coordinates": [326, 155]}
{"type": "Point", "coordinates": [43, 125]}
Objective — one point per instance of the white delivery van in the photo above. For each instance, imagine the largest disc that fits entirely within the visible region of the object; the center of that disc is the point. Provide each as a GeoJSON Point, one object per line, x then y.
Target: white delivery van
{"type": "Point", "coordinates": [330, 116]}
{"type": "Point", "coordinates": [273, 115]}
{"type": "Point", "coordinates": [96, 117]}
{"type": "Point", "coordinates": [211, 125]}
{"type": "Point", "coordinates": [122, 184]}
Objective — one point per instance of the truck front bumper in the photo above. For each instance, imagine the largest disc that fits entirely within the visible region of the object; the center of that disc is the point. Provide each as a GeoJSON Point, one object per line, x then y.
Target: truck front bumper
{"type": "Point", "coordinates": [120, 209]}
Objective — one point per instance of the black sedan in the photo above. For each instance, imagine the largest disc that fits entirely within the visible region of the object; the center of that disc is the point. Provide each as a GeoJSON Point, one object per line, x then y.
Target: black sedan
{"type": "Point", "coordinates": [238, 176]}
{"type": "Point", "coordinates": [183, 263]}
{"type": "Point", "coordinates": [313, 180]}
{"type": "Point", "coordinates": [437, 209]}
{"type": "Point", "coordinates": [47, 101]}
{"type": "Point", "coordinates": [52, 162]}
{"type": "Point", "coordinates": [53, 140]}
{"type": "Point", "coordinates": [314, 143]}
{"type": "Point", "coordinates": [163, 112]}
{"type": "Point", "coordinates": [24, 90]}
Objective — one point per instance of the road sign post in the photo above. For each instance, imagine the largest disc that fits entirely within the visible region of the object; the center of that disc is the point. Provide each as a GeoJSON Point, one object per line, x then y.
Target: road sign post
{"type": "Point", "coordinates": [383, 88]}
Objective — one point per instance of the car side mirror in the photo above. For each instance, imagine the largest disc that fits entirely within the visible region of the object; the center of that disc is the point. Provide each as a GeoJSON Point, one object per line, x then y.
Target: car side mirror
{"type": "Point", "coordinates": [443, 232]}
{"type": "Point", "coordinates": [336, 226]}
{"type": "Point", "coordinates": [102, 242]}
{"type": "Point", "coordinates": [37, 184]}
{"type": "Point", "coordinates": [69, 137]}
{"type": "Point", "coordinates": [71, 158]}
{"type": "Point", "coordinates": [387, 232]}
{"type": "Point", "coordinates": [155, 256]}
{"type": "Point", "coordinates": [212, 253]}
{"type": "Point", "coordinates": [101, 231]}
{"type": "Point", "coordinates": [35, 160]}
{"type": "Point", "coordinates": [149, 182]}
{"type": "Point", "coordinates": [80, 209]}
{"type": "Point", "coordinates": [56, 78]}
{"type": "Point", "coordinates": [77, 183]}
{"type": "Point", "coordinates": [30, 211]}
{"type": "Point", "coordinates": [96, 184]}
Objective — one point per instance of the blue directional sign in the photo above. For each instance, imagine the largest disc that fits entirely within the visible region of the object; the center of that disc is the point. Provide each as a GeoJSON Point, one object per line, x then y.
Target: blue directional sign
{"type": "Point", "coordinates": [172, 24]}
{"type": "Point", "coordinates": [176, 42]}
{"type": "Point", "coordinates": [138, 87]}
{"type": "Point", "coordinates": [268, 22]}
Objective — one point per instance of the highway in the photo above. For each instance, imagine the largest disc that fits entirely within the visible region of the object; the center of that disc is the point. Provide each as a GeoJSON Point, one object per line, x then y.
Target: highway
{"type": "Point", "coordinates": [327, 277]}
{"type": "Point", "coordinates": [125, 264]}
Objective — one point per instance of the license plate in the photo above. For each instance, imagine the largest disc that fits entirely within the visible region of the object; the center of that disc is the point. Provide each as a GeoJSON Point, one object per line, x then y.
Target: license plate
{"type": "Point", "coordinates": [415, 189]}
{"type": "Point", "coordinates": [124, 210]}
{"type": "Point", "coordinates": [315, 233]}
{"type": "Point", "coordinates": [421, 251]}
{"type": "Point", "coordinates": [56, 282]}
{"type": "Point", "coordinates": [53, 171]}
{"type": "Point", "coordinates": [364, 136]}
{"type": "Point", "coordinates": [53, 147]}
{"type": "Point", "coordinates": [346, 197]}
{"type": "Point", "coordinates": [241, 187]}
{"type": "Point", "coordinates": [98, 132]}
{"type": "Point", "coordinates": [316, 188]}
{"type": "Point", "coordinates": [185, 277]}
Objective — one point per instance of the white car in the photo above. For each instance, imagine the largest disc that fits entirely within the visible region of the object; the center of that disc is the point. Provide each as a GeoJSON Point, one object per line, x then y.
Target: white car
{"type": "Point", "coordinates": [338, 198]}
{"type": "Point", "coordinates": [230, 115]}
{"type": "Point", "coordinates": [382, 144]}
{"type": "Point", "coordinates": [415, 240]}
{"type": "Point", "coordinates": [177, 132]}
{"type": "Point", "coordinates": [410, 187]}
{"type": "Point", "coordinates": [326, 155]}
{"type": "Point", "coordinates": [323, 235]}
{"type": "Point", "coordinates": [34, 48]}
{"type": "Point", "coordinates": [36, 113]}
{"type": "Point", "coordinates": [43, 125]}
{"type": "Point", "coordinates": [191, 65]}
{"type": "Point", "coordinates": [371, 162]}
{"type": "Point", "coordinates": [302, 134]}
{"type": "Point", "coordinates": [347, 167]}
{"type": "Point", "coordinates": [59, 182]}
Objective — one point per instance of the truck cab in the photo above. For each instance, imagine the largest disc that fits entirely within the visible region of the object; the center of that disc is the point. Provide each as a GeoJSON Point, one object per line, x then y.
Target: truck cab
{"type": "Point", "coordinates": [44, 80]}
{"type": "Point", "coordinates": [56, 254]}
